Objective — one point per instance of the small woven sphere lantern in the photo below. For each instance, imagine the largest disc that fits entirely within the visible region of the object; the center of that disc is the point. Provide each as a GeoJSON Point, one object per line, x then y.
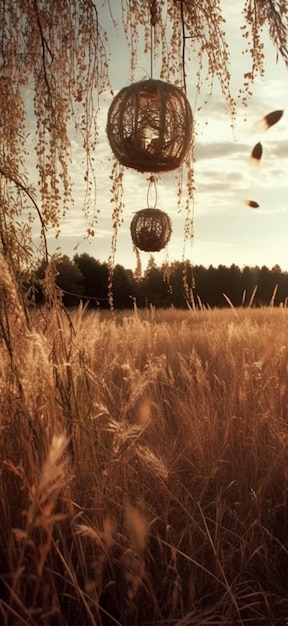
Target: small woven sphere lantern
{"type": "Point", "coordinates": [150, 230]}
{"type": "Point", "coordinates": [149, 126]}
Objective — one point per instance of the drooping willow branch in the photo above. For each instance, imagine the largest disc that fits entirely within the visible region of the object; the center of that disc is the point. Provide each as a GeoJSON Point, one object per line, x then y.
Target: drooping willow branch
{"type": "Point", "coordinates": [183, 44]}
{"type": "Point", "coordinates": [277, 29]}
{"type": "Point", "coordinates": [20, 185]}
{"type": "Point", "coordinates": [44, 46]}
{"type": "Point", "coordinates": [272, 14]}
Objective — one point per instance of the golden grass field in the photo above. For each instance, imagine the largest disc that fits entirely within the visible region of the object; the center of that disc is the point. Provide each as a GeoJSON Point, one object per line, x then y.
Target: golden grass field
{"type": "Point", "coordinates": [144, 468]}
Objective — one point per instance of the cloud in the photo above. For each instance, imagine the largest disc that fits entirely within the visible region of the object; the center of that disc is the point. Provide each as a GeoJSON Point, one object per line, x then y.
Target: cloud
{"type": "Point", "coordinates": [216, 149]}
{"type": "Point", "coordinates": [278, 149]}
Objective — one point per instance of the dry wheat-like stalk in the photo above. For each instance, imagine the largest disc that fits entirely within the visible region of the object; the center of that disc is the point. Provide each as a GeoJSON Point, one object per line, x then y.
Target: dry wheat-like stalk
{"type": "Point", "coordinates": [35, 369]}
{"type": "Point", "coordinates": [43, 495]}
{"type": "Point", "coordinates": [7, 283]}
{"type": "Point", "coordinates": [104, 538]}
{"type": "Point", "coordinates": [153, 463]}
{"type": "Point", "coordinates": [137, 525]}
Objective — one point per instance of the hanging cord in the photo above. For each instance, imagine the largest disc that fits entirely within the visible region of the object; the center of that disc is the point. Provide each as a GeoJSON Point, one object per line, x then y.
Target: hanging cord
{"type": "Point", "coordinates": [189, 222]}
{"type": "Point", "coordinates": [152, 187]}
{"type": "Point", "coordinates": [153, 22]}
{"type": "Point", "coordinates": [183, 46]}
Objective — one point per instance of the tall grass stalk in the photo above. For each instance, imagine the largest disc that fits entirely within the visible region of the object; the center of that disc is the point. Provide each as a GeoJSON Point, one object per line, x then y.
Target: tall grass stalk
{"type": "Point", "coordinates": [144, 466]}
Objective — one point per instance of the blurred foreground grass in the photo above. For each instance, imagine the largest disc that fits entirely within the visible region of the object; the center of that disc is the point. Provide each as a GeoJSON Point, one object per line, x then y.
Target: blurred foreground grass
{"type": "Point", "coordinates": [144, 468]}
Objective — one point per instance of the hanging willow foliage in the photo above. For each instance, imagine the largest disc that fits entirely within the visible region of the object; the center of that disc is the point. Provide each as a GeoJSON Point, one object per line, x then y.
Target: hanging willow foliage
{"type": "Point", "coordinates": [193, 33]}
{"type": "Point", "coordinates": [54, 53]}
{"type": "Point", "coordinates": [54, 66]}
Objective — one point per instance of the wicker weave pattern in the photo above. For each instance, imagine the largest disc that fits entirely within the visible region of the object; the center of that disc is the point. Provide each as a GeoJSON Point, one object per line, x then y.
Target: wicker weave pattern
{"type": "Point", "coordinates": [149, 126]}
{"type": "Point", "coordinates": [150, 230]}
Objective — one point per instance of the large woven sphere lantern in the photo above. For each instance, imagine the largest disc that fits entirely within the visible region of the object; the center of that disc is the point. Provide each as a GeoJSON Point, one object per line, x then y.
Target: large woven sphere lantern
{"type": "Point", "coordinates": [150, 230]}
{"type": "Point", "coordinates": [149, 126]}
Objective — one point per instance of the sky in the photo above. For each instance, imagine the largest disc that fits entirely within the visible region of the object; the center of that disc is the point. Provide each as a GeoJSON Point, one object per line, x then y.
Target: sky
{"type": "Point", "coordinates": [226, 230]}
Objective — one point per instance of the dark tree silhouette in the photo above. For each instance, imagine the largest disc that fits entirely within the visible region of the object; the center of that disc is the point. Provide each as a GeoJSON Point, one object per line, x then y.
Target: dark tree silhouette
{"type": "Point", "coordinates": [123, 288]}
{"type": "Point", "coordinates": [95, 275]}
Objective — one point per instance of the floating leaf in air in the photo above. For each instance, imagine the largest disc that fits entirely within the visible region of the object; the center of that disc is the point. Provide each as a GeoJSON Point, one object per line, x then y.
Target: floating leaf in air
{"type": "Point", "coordinates": [256, 153]}
{"type": "Point", "coordinates": [271, 119]}
{"type": "Point", "coordinates": [252, 204]}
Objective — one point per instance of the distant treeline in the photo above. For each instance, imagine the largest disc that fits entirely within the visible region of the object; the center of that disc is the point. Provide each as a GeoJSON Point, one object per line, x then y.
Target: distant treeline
{"type": "Point", "coordinates": [177, 284]}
